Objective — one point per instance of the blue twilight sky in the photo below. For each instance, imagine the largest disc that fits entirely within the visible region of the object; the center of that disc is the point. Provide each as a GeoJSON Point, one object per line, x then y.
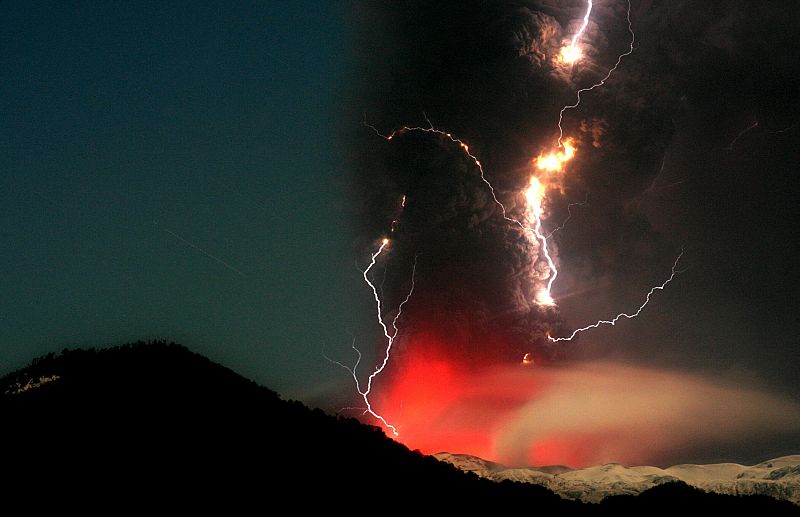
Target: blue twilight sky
{"type": "Point", "coordinates": [169, 170]}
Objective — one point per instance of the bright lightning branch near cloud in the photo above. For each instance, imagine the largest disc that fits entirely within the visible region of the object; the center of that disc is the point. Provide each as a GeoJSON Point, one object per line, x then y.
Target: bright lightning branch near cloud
{"type": "Point", "coordinates": [621, 315]}
{"type": "Point", "coordinates": [570, 54]}
{"type": "Point", "coordinates": [390, 336]}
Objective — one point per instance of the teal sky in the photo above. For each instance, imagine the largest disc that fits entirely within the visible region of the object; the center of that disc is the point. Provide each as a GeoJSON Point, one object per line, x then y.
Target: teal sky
{"type": "Point", "coordinates": [171, 171]}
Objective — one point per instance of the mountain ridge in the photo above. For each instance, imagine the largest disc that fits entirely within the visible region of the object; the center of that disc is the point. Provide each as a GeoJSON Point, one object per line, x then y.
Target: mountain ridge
{"type": "Point", "coordinates": [156, 424]}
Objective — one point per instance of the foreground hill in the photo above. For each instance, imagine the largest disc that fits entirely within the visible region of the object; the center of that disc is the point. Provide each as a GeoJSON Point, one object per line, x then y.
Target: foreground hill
{"type": "Point", "coordinates": [778, 478]}
{"type": "Point", "coordinates": [158, 426]}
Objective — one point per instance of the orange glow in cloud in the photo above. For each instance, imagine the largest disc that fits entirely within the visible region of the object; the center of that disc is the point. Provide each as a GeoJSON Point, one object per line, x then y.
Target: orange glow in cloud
{"type": "Point", "coordinates": [570, 54]}
{"type": "Point", "coordinates": [554, 161]}
{"type": "Point", "coordinates": [535, 196]}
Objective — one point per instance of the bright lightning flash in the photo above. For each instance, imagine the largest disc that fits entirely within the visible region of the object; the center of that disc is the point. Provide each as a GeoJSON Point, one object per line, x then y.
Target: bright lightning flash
{"type": "Point", "coordinates": [555, 161]}
{"type": "Point", "coordinates": [571, 54]}
{"type": "Point", "coordinates": [535, 198]}
{"type": "Point", "coordinates": [548, 165]}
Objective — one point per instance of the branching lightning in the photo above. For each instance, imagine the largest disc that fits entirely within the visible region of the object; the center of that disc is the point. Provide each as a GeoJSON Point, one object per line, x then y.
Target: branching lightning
{"type": "Point", "coordinates": [535, 196]}
{"type": "Point", "coordinates": [614, 320]}
{"type": "Point", "coordinates": [549, 166]}
{"type": "Point", "coordinates": [569, 215]}
{"type": "Point", "coordinates": [603, 80]}
{"type": "Point", "coordinates": [571, 53]}
{"type": "Point", "coordinates": [554, 162]}
{"type": "Point", "coordinates": [389, 335]}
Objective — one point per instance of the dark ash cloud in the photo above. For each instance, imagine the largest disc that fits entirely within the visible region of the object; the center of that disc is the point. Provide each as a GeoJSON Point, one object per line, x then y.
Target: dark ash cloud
{"type": "Point", "coordinates": [482, 70]}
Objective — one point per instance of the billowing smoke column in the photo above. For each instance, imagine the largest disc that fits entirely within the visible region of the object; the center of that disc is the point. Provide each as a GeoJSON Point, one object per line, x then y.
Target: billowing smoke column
{"type": "Point", "coordinates": [518, 148]}
{"type": "Point", "coordinates": [485, 289]}
{"type": "Point", "coordinates": [474, 197]}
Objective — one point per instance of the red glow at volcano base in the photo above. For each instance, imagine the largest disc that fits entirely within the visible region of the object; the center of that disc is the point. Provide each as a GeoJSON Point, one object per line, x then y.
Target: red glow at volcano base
{"type": "Point", "coordinates": [441, 406]}
{"type": "Point", "coordinates": [577, 415]}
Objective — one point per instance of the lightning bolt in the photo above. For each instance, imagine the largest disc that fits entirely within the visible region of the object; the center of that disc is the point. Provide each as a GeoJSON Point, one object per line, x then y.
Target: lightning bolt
{"type": "Point", "coordinates": [535, 196]}
{"type": "Point", "coordinates": [602, 81]}
{"type": "Point", "coordinates": [571, 53]}
{"type": "Point", "coordinates": [389, 335]}
{"type": "Point", "coordinates": [569, 215]}
{"type": "Point", "coordinates": [741, 133]}
{"type": "Point", "coordinates": [583, 26]}
{"type": "Point", "coordinates": [555, 161]}
{"type": "Point", "coordinates": [784, 130]}
{"type": "Point", "coordinates": [547, 298]}
{"type": "Point", "coordinates": [616, 318]}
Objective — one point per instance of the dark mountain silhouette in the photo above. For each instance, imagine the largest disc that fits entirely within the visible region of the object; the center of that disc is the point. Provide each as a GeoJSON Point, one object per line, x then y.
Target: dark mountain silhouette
{"type": "Point", "coordinates": [157, 426]}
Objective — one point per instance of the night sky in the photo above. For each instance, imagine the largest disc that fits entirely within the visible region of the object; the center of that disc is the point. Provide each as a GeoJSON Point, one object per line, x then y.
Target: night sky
{"type": "Point", "coordinates": [125, 123]}
{"type": "Point", "coordinates": [203, 173]}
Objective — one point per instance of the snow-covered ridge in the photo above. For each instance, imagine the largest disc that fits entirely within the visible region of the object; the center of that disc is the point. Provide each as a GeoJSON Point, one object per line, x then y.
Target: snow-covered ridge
{"type": "Point", "coordinates": [778, 478]}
